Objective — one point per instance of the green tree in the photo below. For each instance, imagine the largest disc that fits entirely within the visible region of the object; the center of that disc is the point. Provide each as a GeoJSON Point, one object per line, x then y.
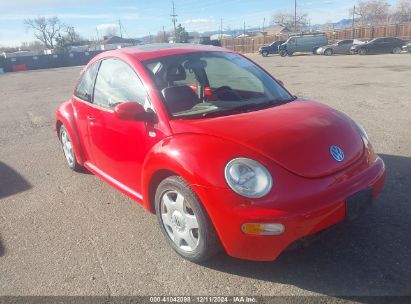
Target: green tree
{"type": "Point", "coordinates": [181, 34]}
{"type": "Point", "coordinates": [61, 45]}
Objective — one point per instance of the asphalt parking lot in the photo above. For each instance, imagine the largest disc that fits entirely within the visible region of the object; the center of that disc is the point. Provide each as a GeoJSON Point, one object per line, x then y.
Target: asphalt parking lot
{"type": "Point", "coordinates": [65, 233]}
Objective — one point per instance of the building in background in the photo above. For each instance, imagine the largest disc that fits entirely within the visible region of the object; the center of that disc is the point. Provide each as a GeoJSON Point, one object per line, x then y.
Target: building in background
{"type": "Point", "coordinates": [115, 42]}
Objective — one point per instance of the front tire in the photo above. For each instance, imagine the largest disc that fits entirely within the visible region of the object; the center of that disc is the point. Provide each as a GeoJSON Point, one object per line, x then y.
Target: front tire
{"type": "Point", "coordinates": [67, 146]}
{"type": "Point", "coordinates": [264, 53]}
{"type": "Point", "coordinates": [328, 52]}
{"type": "Point", "coordinates": [184, 222]}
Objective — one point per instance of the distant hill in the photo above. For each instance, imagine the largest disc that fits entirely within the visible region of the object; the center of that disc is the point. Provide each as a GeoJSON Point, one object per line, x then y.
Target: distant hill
{"type": "Point", "coordinates": [343, 23]}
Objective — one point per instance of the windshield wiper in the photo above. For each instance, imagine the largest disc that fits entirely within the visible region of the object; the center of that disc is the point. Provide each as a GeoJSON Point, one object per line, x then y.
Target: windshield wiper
{"type": "Point", "coordinates": [236, 110]}
{"type": "Point", "coordinates": [246, 108]}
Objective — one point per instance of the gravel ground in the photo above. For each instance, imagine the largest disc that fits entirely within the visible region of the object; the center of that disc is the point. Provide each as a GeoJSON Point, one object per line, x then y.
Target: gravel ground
{"type": "Point", "coordinates": [64, 233]}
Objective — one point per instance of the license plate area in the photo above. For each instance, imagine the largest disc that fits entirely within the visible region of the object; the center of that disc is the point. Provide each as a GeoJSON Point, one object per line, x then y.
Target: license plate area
{"type": "Point", "coordinates": [357, 203]}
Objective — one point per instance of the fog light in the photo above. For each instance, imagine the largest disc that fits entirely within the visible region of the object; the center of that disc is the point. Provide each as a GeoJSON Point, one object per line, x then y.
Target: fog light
{"type": "Point", "coordinates": [263, 228]}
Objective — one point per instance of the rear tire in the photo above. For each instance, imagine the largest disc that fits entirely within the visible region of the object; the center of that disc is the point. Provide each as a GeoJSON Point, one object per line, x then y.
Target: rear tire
{"type": "Point", "coordinates": [67, 146]}
{"type": "Point", "coordinates": [264, 53]}
{"type": "Point", "coordinates": [184, 222]}
{"type": "Point", "coordinates": [396, 50]}
{"type": "Point", "coordinates": [283, 53]}
{"type": "Point", "coordinates": [328, 52]}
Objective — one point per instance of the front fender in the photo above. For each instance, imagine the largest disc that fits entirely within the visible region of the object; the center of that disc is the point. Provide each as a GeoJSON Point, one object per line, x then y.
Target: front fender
{"type": "Point", "coordinates": [199, 159]}
{"type": "Point", "coordinates": [65, 115]}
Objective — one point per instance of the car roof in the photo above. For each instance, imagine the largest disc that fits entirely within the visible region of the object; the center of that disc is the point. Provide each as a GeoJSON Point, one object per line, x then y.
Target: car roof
{"type": "Point", "coordinates": [157, 50]}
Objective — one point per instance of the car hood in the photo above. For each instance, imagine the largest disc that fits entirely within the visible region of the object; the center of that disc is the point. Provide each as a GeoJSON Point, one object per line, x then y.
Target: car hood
{"type": "Point", "coordinates": [297, 135]}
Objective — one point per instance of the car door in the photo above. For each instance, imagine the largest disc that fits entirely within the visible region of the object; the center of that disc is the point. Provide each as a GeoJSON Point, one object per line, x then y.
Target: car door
{"type": "Point", "coordinates": [292, 45]}
{"type": "Point", "coordinates": [82, 103]}
{"type": "Point", "coordinates": [385, 45]}
{"type": "Point", "coordinates": [118, 147]}
{"type": "Point", "coordinates": [344, 46]}
{"type": "Point", "coordinates": [378, 46]}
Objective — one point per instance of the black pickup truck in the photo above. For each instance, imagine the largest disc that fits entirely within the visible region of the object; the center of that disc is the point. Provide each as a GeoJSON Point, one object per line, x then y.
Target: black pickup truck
{"type": "Point", "coordinates": [265, 50]}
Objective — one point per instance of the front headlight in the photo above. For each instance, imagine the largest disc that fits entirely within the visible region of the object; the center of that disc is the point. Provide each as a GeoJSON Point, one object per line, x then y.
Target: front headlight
{"type": "Point", "coordinates": [248, 177]}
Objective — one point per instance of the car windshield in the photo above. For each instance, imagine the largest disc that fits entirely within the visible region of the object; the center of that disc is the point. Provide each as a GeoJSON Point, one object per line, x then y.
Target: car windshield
{"type": "Point", "coordinates": [206, 84]}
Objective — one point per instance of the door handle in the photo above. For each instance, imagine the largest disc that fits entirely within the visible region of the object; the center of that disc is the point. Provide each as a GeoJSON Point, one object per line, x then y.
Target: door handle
{"type": "Point", "coordinates": [91, 118]}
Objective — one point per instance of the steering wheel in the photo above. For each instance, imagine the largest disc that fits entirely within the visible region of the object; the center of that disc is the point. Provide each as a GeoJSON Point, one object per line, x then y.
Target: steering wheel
{"type": "Point", "coordinates": [226, 93]}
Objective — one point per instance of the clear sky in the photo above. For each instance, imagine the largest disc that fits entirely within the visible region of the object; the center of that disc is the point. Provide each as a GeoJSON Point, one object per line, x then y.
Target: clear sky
{"type": "Point", "coordinates": [140, 18]}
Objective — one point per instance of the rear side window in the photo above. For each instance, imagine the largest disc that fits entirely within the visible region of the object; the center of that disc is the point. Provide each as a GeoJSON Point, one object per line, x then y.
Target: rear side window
{"type": "Point", "coordinates": [344, 42]}
{"type": "Point", "coordinates": [117, 83]}
{"type": "Point", "coordinates": [84, 88]}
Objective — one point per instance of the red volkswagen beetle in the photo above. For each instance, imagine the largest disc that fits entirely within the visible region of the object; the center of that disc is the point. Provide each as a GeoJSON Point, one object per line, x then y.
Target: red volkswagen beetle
{"type": "Point", "coordinates": [215, 146]}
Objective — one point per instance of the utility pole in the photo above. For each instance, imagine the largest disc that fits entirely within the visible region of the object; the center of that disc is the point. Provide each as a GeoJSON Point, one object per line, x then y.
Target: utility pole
{"type": "Point", "coordinates": [174, 20]}
{"type": "Point", "coordinates": [264, 30]}
{"type": "Point", "coordinates": [221, 30]}
{"type": "Point", "coordinates": [164, 34]}
{"type": "Point", "coordinates": [244, 39]}
{"type": "Point", "coordinates": [98, 36]}
{"type": "Point", "coordinates": [119, 25]}
{"type": "Point", "coordinates": [295, 16]}
{"type": "Point", "coordinates": [353, 23]}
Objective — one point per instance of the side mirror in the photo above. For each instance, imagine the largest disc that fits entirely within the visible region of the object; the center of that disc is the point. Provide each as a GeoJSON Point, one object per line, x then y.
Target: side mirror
{"type": "Point", "coordinates": [133, 111]}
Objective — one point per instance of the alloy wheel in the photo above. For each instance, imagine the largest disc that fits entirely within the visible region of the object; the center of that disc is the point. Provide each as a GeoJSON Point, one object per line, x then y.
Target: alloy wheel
{"type": "Point", "coordinates": [67, 147]}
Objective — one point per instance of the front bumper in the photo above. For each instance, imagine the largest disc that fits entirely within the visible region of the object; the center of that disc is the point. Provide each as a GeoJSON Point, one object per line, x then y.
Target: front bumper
{"type": "Point", "coordinates": [312, 212]}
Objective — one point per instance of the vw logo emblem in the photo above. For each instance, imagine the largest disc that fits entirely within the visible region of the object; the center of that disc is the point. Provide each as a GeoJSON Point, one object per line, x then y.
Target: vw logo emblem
{"type": "Point", "coordinates": [337, 153]}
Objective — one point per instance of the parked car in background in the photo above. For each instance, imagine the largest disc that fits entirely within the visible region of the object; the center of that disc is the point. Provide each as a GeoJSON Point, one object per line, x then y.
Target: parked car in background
{"type": "Point", "coordinates": [340, 47]}
{"type": "Point", "coordinates": [407, 47]}
{"type": "Point", "coordinates": [306, 43]}
{"type": "Point", "coordinates": [379, 46]}
{"type": "Point", "coordinates": [272, 48]}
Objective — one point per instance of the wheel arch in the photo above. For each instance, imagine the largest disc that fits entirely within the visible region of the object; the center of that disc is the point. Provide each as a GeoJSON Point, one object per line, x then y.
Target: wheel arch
{"type": "Point", "coordinates": [156, 178]}
{"type": "Point", "coordinates": [65, 116]}
{"type": "Point", "coordinates": [177, 155]}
